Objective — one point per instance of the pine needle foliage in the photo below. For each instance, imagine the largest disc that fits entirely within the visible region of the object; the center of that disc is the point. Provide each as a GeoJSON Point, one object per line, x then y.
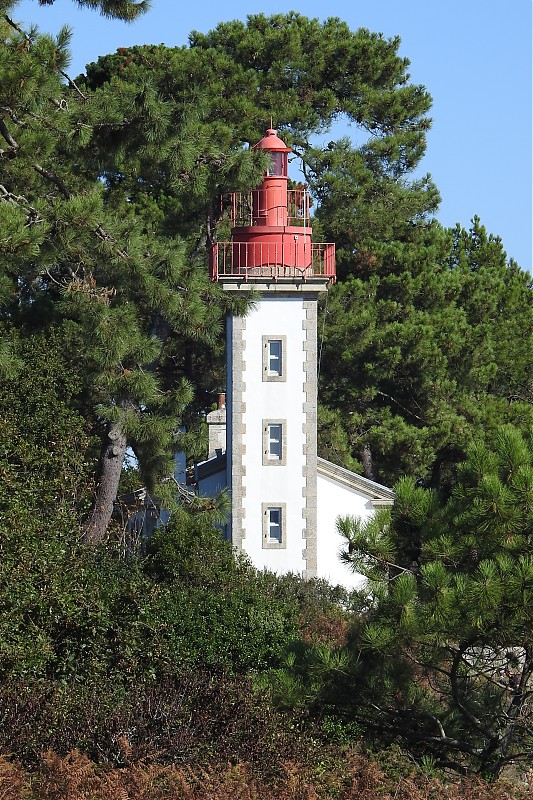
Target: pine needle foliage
{"type": "Point", "coordinates": [426, 344]}
{"type": "Point", "coordinates": [445, 655]}
{"type": "Point", "coordinates": [81, 252]}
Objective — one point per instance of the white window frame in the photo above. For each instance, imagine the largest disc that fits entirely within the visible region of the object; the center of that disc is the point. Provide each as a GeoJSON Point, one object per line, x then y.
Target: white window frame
{"type": "Point", "coordinates": [268, 373]}
{"type": "Point", "coordinates": [270, 458]}
{"type": "Point", "coordinates": [268, 512]}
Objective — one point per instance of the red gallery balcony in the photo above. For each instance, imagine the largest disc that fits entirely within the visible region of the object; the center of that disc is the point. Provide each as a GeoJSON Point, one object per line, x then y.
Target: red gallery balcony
{"type": "Point", "coordinates": [287, 257]}
{"type": "Point", "coordinates": [270, 237]}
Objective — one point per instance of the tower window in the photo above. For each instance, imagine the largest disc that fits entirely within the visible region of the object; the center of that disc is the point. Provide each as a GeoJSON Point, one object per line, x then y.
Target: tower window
{"type": "Point", "coordinates": [274, 525]}
{"type": "Point", "coordinates": [274, 436]}
{"type": "Point", "coordinates": [278, 165]}
{"type": "Point", "coordinates": [274, 442]}
{"type": "Point", "coordinates": [274, 535]}
{"type": "Point", "coordinates": [274, 358]}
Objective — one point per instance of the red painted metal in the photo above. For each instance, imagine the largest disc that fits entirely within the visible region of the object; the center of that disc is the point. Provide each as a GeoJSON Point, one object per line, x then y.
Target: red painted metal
{"type": "Point", "coordinates": [272, 142]}
{"type": "Point", "coordinates": [268, 260]}
{"type": "Point", "coordinates": [271, 237]}
{"type": "Point", "coordinates": [241, 205]}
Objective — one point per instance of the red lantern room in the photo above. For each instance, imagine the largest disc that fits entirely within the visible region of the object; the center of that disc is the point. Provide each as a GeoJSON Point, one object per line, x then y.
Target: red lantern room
{"type": "Point", "coordinates": [271, 237]}
{"type": "Point", "coordinates": [270, 199]}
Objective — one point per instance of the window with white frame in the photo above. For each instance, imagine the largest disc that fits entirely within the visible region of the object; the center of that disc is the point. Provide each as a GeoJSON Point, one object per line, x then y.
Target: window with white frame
{"type": "Point", "coordinates": [274, 436]}
{"type": "Point", "coordinates": [274, 534]}
{"type": "Point", "coordinates": [274, 358]}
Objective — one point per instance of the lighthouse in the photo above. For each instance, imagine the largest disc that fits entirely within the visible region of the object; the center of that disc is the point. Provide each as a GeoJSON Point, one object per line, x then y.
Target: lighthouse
{"type": "Point", "coordinates": [262, 438]}
{"type": "Point", "coordinates": [271, 397]}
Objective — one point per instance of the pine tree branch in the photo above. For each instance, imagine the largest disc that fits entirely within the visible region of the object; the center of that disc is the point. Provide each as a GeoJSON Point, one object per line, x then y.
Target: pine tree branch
{"type": "Point", "coordinates": [73, 84]}
{"type": "Point", "coordinates": [20, 200]}
{"type": "Point", "coordinates": [17, 28]}
{"type": "Point", "coordinates": [104, 236]}
{"type": "Point", "coordinates": [495, 755]}
{"type": "Point", "coordinates": [73, 275]}
{"type": "Point", "coordinates": [519, 697]}
{"type": "Point", "coordinates": [7, 136]}
{"type": "Point", "coordinates": [100, 231]}
{"type": "Point", "coordinates": [398, 723]}
{"type": "Point", "coordinates": [55, 179]}
{"type": "Point", "coordinates": [458, 658]}
{"type": "Point", "coordinates": [13, 117]}
{"type": "Point", "coordinates": [28, 39]}
{"type": "Point", "coordinates": [61, 105]}
{"type": "Point", "coordinates": [427, 665]}
{"type": "Point", "coordinates": [404, 408]}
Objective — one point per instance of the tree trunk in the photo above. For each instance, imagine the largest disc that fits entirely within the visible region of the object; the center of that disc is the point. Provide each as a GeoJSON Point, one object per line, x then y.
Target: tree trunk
{"type": "Point", "coordinates": [368, 464]}
{"type": "Point", "coordinates": [111, 461]}
{"type": "Point", "coordinates": [514, 719]}
{"type": "Point", "coordinates": [434, 481]}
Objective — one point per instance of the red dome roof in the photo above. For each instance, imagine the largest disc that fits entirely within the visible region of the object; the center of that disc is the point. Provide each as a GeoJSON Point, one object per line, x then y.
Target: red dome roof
{"type": "Point", "coordinates": [272, 142]}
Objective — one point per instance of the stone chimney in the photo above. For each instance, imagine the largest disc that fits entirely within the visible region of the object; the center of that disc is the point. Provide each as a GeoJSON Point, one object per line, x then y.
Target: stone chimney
{"type": "Point", "coordinates": [216, 421]}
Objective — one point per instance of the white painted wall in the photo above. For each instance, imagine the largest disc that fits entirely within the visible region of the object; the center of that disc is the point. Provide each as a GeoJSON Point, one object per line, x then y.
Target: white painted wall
{"type": "Point", "coordinates": [274, 316]}
{"type": "Point", "coordinates": [337, 500]}
{"type": "Point", "coordinates": [284, 316]}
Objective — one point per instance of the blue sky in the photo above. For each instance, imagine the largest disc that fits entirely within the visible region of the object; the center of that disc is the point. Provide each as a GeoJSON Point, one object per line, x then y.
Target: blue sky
{"type": "Point", "coordinates": [474, 57]}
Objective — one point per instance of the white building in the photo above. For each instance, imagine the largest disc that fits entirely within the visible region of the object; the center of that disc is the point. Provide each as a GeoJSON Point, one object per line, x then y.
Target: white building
{"type": "Point", "coordinates": [285, 501]}
{"type": "Point", "coordinates": [339, 493]}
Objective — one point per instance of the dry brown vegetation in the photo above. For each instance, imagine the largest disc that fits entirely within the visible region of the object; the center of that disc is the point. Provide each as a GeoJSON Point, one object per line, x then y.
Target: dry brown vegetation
{"type": "Point", "coordinates": [76, 777]}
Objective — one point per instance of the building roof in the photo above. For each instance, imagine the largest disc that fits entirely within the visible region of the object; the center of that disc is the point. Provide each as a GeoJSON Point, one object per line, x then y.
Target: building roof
{"type": "Point", "coordinates": [379, 495]}
{"type": "Point", "coordinates": [204, 469]}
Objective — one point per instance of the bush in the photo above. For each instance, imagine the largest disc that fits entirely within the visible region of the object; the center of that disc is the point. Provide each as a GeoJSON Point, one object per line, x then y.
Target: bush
{"type": "Point", "coordinates": [199, 717]}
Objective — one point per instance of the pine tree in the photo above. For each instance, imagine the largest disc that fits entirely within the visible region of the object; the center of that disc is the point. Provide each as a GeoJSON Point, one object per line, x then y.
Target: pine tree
{"type": "Point", "coordinates": [445, 658]}
{"type": "Point", "coordinates": [410, 369]}
{"type": "Point", "coordinates": [81, 253]}
{"type": "Point", "coordinates": [127, 10]}
{"type": "Point", "coordinates": [426, 347]}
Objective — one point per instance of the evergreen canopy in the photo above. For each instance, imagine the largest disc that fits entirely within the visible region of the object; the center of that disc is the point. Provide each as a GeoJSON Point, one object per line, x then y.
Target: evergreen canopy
{"type": "Point", "coordinates": [425, 338]}
{"type": "Point", "coordinates": [446, 652]}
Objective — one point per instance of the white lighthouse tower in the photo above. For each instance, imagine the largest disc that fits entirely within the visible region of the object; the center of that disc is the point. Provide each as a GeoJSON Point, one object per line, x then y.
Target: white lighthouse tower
{"type": "Point", "coordinates": [272, 369]}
